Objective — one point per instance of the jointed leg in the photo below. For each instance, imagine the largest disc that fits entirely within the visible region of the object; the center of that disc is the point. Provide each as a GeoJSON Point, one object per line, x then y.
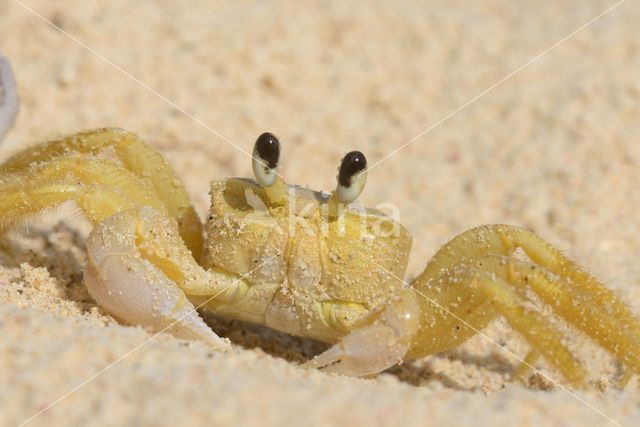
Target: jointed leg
{"type": "Point", "coordinates": [532, 326]}
{"type": "Point", "coordinates": [504, 240]}
{"type": "Point", "coordinates": [138, 157]}
{"type": "Point", "coordinates": [139, 268]}
{"type": "Point", "coordinates": [488, 280]}
{"type": "Point", "coordinates": [577, 303]}
{"type": "Point", "coordinates": [575, 295]}
{"type": "Point", "coordinates": [525, 366]}
{"type": "Point", "coordinates": [72, 178]}
{"type": "Point", "coordinates": [576, 307]}
{"type": "Point", "coordinates": [442, 305]}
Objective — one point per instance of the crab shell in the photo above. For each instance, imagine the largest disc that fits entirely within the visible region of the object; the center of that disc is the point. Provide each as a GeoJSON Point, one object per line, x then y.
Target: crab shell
{"type": "Point", "coordinates": [309, 274]}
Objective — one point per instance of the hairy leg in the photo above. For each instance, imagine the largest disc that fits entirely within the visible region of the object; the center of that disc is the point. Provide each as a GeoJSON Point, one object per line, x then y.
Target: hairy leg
{"type": "Point", "coordinates": [504, 240]}
{"type": "Point", "coordinates": [578, 305]}
{"type": "Point", "coordinates": [614, 334]}
{"type": "Point", "coordinates": [98, 187]}
{"type": "Point", "coordinates": [135, 155]}
{"type": "Point", "coordinates": [489, 280]}
{"type": "Point", "coordinates": [532, 325]}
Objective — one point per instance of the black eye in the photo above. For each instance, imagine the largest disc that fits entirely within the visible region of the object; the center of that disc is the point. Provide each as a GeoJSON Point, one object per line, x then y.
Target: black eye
{"type": "Point", "coordinates": [352, 177]}
{"type": "Point", "coordinates": [268, 149]}
{"type": "Point", "coordinates": [353, 163]}
{"type": "Point", "coordinates": [266, 154]}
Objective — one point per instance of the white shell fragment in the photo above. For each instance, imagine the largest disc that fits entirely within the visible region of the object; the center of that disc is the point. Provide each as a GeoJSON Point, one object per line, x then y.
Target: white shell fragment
{"type": "Point", "coordinates": [8, 96]}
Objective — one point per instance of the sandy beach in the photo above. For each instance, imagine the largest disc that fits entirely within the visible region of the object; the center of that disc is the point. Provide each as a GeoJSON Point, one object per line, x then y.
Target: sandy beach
{"type": "Point", "coordinates": [474, 112]}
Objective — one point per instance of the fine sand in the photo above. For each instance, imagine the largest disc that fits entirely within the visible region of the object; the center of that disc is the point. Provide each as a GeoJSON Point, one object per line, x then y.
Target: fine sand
{"type": "Point", "coordinates": [554, 148]}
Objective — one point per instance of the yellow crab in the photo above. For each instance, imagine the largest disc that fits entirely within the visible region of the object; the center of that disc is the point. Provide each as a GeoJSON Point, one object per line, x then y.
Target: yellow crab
{"type": "Point", "coordinates": [302, 262]}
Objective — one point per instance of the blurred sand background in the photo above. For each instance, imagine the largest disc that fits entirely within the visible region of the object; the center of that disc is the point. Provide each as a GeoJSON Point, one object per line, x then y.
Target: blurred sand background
{"type": "Point", "coordinates": [555, 148]}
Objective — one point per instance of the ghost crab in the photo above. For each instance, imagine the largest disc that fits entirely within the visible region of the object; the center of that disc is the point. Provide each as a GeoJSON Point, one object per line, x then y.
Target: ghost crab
{"type": "Point", "coordinates": [302, 262]}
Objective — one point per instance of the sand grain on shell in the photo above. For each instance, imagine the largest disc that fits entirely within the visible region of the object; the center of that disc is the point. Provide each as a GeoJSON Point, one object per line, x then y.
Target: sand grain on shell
{"type": "Point", "coordinates": [553, 149]}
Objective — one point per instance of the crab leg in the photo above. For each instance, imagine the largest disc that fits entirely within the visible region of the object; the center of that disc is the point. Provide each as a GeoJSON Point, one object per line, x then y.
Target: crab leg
{"type": "Point", "coordinates": [377, 346]}
{"type": "Point", "coordinates": [531, 325]}
{"type": "Point", "coordinates": [99, 188]}
{"type": "Point", "coordinates": [574, 295]}
{"type": "Point", "coordinates": [486, 290]}
{"type": "Point", "coordinates": [134, 155]}
{"type": "Point", "coordinates": [503, 282]}
{"type": "Point", "coordinates": [595, 321]}
{"type": "Point", "coordinates": [504, 240]}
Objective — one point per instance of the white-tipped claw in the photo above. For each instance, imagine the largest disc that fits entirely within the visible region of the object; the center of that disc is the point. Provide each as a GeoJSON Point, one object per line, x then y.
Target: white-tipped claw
{"type": "Point", "coordinates": [9, 101]}
{"type": "Point", "coordinates": [136, 291]}
{"type": "Point", "coordinates": [376, 347]}
{"type": "Point", "coordinates": [361, 353]}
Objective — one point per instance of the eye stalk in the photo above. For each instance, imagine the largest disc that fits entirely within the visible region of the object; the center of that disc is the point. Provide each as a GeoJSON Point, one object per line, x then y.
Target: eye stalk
{"type": "Point", "coordinates": [266, 155]}
{"type": "Point", "coordinates": [266, 159]}
{"type": "Point", "coordinates": [351, 177]}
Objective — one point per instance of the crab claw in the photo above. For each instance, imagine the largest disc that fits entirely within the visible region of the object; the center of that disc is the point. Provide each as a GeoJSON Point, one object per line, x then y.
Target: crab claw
{"type": "Point", "coordinates": [373, 348]}
{"type": "Point", "coordinates": [132, 288]}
